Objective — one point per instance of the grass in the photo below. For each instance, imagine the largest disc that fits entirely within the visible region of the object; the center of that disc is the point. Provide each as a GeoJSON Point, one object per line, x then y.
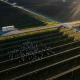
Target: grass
{"type": "Point", "coordinates": [52, 70]}
{"type": "Point", "coordinates": [77, 26]}
{"type": "Point", "coordinates": [27, 33]}
{"type": "Point", "coordinates": [37, 26]}
{"type": "Point", "coordinates": [40, 31]}
{"type": "Point", "coordinates": [75, 35]}
{"type": "Point", "coordinates": [45, 22]}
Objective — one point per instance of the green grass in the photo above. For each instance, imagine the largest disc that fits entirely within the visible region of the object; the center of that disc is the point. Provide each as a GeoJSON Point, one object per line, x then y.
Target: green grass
{"type": "Point", "coordinates": [45, 22]}
{"type": "Point", "coordinates": [27, 33]}
{"type": "Point", "coordinates": [77, 26]}
{"type": "Point", "coordinates": [37, 26]}
{"type": "Point", "coordinates": [75, 35]}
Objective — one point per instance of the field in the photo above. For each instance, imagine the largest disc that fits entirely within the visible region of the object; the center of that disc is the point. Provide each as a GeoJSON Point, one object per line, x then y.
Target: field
{"type": "Point", "coordinates": [10, 15]}
{"type": "Point", "coordinates": [41, 55]}
{"type": "Point", "coordinates": [54, 9]}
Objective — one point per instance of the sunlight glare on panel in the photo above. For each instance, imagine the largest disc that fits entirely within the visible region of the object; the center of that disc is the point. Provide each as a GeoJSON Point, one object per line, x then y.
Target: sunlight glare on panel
{"type": "Point", "coordinates": [75, 10]}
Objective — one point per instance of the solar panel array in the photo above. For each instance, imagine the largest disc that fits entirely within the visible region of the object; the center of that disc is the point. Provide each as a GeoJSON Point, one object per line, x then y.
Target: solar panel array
{"type": "Point", "coordinates": [47, 55]}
